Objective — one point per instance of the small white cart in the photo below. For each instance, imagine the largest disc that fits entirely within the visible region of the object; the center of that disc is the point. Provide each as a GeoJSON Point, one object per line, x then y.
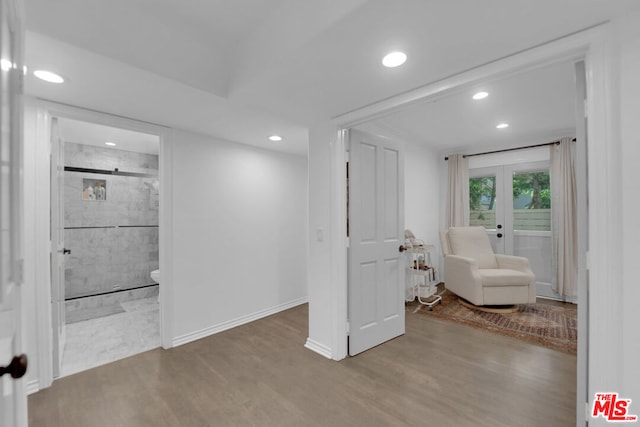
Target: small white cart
{"type": "Point", "coordinates": [422, 276]}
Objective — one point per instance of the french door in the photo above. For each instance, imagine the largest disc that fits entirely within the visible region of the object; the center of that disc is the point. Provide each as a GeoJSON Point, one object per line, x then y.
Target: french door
{"type": "Point", "coordinates": [513, 202]}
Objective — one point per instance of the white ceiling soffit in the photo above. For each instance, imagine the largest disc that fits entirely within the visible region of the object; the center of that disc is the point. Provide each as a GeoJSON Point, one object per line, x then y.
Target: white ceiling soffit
{"type": "Point", "coordinates": [539, 106]}
{"type": "Point", "coordinates": [103, 84]}
{"type": "Point", "coordinates": [86, 133]}
{"type": "Point", "coordinates": [193, 42]}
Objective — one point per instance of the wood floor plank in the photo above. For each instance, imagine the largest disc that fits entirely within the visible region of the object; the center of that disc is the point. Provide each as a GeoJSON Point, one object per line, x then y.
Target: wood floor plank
{"type": "Point", "coordinates": [439, 373]}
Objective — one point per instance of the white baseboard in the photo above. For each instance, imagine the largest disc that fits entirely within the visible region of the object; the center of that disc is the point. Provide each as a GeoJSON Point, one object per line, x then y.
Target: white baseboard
{"type": "Point", "coordinates": [545, 290]}
{"type": "Point", "coordinates": [33, 386]}
{"type": "Point", "coordinates": [321, 349]}
{"type": "Point", "coordinates": [211, 330]}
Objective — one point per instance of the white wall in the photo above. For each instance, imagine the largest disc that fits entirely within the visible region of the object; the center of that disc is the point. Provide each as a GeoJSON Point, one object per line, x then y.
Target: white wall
{"type": "Point", "coordinates": [422, 192]}
{"type": "Point", "coordinates": [239, 233]}
{"type": "Point", "coordinates": [511, 157]}
{"type": "Point", "coordinates": [422, 182]}
{"type": "Point", "coordinates": [321, 298]}
{"type": "Point", "coordinates": [628, 40]}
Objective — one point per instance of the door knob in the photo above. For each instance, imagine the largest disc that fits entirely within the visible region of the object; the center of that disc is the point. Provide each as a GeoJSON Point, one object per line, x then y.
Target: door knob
{"type": "Point", "coordinates": [401, 249]}
{"type": "Point", "coordinates": [66, 251]}
{"type": "Point", "coordinates": [17, 368]}
{"type": "Point", "coordinates": [499, 226]}
{"type": "Point", "coordinates": [499, 235]}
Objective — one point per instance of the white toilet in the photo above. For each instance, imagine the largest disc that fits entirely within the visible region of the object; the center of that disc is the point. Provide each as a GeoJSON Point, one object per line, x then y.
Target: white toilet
{"type": "Point", "coordinates": [155, 276]}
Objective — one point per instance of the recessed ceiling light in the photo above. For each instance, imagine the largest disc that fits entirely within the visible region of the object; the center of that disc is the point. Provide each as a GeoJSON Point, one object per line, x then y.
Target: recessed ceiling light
{"type": "Point", "coordinates": [110, 144]}
{"type": "Point", "coordinates": [48, 76]}
{"type": "Point", "coordinates": [480, 95]}
{"type": "Point", "coordinates": [394, 59]}
{"type": "Point", "coordinates": [275, 138]}
{"type": "Point", "coordinates": [502, 126]}
{"type": "Point", "coordinates": [5, 64]}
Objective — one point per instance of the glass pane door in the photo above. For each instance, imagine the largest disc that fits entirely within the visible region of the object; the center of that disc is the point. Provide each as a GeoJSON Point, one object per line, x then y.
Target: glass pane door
{"type": "Point", "coordinates": [485, 198]}
{"type": "Point", "coordinates": [531, 201]}
{"type": "Point", "coordinates": [513, 203]}
{"type": "Point", "coordinates": [482, 202]}
{"type": "Point", "coordinates": [532, 224]}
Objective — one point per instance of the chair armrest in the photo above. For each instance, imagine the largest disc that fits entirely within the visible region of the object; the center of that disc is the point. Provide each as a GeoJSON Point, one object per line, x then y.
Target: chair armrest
{"type": "Point", "coordinates": [457, 261]}
{"type": "Point", "coordinates": [517, 263]}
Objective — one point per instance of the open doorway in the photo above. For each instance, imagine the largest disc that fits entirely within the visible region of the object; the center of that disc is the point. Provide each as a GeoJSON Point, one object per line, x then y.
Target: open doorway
{"type": "Point", "coordinates": [401, 122]}
{"type": "Point", "coordinates": [540, 106]}
{"type": "Point", "coordinates": [105, 231]}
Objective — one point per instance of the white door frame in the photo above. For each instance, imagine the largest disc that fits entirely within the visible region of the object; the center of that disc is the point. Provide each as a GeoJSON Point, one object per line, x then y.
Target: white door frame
{"type": "Point", "coordinates": [592, 45]}
{"type": "Point", "coordinates": [45, 111]}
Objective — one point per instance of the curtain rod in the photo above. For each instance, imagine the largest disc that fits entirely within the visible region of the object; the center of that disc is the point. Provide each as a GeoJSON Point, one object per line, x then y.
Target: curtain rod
{"type": "Point", "coordinates": [511, 149]}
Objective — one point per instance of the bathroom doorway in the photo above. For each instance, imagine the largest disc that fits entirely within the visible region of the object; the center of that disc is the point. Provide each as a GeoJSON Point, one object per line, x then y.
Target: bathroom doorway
{"type": "Point", "coordinates": [105, 200]}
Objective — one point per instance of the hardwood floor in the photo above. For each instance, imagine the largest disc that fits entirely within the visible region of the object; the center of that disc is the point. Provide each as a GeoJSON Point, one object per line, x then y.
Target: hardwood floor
{"type": "Point", "coordinates": [437, 374]}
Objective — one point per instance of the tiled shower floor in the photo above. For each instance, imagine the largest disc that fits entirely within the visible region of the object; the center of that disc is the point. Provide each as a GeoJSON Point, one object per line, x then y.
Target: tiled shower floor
{"type": "Point", "coordinates": [98, 341]}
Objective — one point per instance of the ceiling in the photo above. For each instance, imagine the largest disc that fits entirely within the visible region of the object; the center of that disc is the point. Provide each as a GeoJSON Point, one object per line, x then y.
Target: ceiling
{"type": "Point", "coordinates": [80, 132]}
{"type": "Point", "coordinates": [242, 70]}
{"type": "Point", "coordinates": [539, 106]}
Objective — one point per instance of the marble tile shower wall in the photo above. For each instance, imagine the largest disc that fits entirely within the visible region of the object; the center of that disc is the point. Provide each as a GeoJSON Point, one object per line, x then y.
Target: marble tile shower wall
{"type": "Point", "coordinates": [113, 242]}
{"type": "Point", "coordinates": [88, 156]}
{"type": "Point", "coordinates": [129, 201]}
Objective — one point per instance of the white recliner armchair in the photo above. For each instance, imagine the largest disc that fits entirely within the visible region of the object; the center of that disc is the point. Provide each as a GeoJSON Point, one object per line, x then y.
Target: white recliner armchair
{"type": "Point", "coordinates": [474, 272]}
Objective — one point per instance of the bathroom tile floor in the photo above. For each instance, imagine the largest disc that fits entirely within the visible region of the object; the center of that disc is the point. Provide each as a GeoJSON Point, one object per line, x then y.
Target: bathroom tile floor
{"type": "Point", "coordinates": [98, 341]}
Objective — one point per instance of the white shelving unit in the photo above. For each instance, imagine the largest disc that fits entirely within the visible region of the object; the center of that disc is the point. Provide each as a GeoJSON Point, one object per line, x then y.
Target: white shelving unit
{"type": "Point", "coordinates": [422, 276]}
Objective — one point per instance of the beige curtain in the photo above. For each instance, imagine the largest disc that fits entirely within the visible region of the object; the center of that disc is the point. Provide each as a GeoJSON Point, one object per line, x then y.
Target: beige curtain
{"type": "Point", "coordinates": [458, 194]}
{"type": "Point", "coordinates": [564, 224]}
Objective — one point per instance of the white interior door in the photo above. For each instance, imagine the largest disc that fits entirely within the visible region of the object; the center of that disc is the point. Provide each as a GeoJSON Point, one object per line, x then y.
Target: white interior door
{"type": "Point", "coordinates": [513, 203]}
{"type": "Point", "coordinates": [58, 251]}
{"type": "Point", "coordinates": [376, 228]}
{"type": "Point", "coordinates": [13, 410]}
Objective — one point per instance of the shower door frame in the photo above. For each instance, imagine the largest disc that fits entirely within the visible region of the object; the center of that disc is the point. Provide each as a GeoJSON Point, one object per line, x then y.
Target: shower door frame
{"type": "Point", "coordinates": [58, 250]}
{"type": "Point", "coordinates": [46, 111]}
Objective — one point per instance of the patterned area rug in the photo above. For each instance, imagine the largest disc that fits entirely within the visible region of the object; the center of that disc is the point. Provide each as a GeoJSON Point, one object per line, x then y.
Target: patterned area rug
{"type": "Point", "coordinates": [551, 326]}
